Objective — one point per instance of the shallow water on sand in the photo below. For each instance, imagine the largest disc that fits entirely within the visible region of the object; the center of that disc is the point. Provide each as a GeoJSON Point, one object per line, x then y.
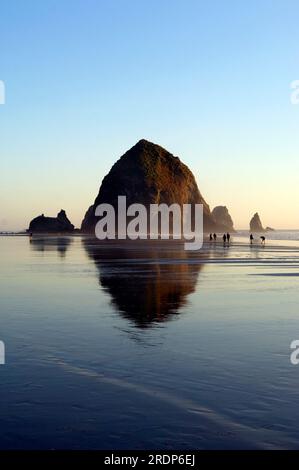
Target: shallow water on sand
{"type": "Point", "coordinates": [147, 346]}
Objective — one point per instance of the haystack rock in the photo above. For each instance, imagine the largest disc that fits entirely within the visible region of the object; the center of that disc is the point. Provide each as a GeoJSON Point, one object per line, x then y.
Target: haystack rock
{"type": "Point", "coordinates": [42, 224]}
{"type": "Point", "coordinates": [148, 174]}
{"type": "Point", "coordinates": [256, 224]}
{"type": "Point", "coordinates": [222, 217]}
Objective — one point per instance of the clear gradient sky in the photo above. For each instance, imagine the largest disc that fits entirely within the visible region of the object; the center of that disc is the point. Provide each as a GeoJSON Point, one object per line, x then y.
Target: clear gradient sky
{"type": "Point", "coordinates": [209, 81]}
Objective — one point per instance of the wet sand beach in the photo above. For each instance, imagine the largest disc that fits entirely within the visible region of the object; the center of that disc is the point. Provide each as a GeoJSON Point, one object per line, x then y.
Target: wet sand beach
{"type": "Point", "coordinates": [142, 346]}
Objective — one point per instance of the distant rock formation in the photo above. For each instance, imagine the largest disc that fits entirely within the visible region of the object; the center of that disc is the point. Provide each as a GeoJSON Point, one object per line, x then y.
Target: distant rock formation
{"type": "Point", "coordinates": [256, 224]}
{"type": "Point", "coordinates": [223, 218]}
{"type": "Point", "coordinates": [42, 224]}
{"type": "Point", "coordinates": [148, 174]}
{"type": "Point", "coordinates": [269, 229]}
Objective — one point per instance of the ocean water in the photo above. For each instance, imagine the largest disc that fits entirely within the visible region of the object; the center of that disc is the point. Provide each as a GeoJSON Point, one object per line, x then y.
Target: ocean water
{"type": "Point", "coordinates": [147, 346]}
{"type": "Point", "coordinates": [275, 235]}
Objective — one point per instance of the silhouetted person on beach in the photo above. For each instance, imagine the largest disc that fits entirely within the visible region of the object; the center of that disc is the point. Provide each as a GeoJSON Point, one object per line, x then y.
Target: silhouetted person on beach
{"type": "Point", "coordinates": [211, 237]}
{"type": "Point", "coordinates": [263, 240]}
{"type": "Point", "coordinates": [251, 239]}
{"type": "Point", "coordinates": [228, 237]}
{"type": "Point", "coordinates": [224, 239]}
{"type": "Point", "coordinates": [215, 237]}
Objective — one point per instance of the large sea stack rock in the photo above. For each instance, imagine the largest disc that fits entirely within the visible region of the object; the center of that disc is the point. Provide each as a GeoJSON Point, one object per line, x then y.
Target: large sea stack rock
{"type": "Point", "coordinates": [148, 174]}
{"type": "Point", "coordinates": [222, 217]}
{"type": "Point", "coordinates": [256, 224]}
{"type": "Point", "coordinates": [42, 224]}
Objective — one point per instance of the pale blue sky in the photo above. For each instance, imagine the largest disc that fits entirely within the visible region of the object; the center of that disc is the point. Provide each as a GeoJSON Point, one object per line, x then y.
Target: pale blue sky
{"type": "Point", "coordinates": [209, 81]}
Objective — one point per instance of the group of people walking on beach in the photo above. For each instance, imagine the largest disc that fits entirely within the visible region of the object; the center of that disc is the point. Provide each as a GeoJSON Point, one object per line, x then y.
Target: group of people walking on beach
{"type": "Point", "coordinates": [226, 238]}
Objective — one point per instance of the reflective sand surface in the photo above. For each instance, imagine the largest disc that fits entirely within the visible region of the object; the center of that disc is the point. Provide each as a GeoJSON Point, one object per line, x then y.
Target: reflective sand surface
{"type": "Point", "coordinates": [146, 346]}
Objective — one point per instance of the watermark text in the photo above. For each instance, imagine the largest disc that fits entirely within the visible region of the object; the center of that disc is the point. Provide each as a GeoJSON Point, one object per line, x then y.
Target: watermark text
{"type": "Point", "coordinates": [158, 221]}
{"type": "Point", "coordinates": [2, 92]}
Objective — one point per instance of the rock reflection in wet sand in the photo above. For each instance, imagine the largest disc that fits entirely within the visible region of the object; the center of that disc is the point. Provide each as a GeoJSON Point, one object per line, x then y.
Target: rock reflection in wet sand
{"type": "Point", "coordinates": [148, 282]}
